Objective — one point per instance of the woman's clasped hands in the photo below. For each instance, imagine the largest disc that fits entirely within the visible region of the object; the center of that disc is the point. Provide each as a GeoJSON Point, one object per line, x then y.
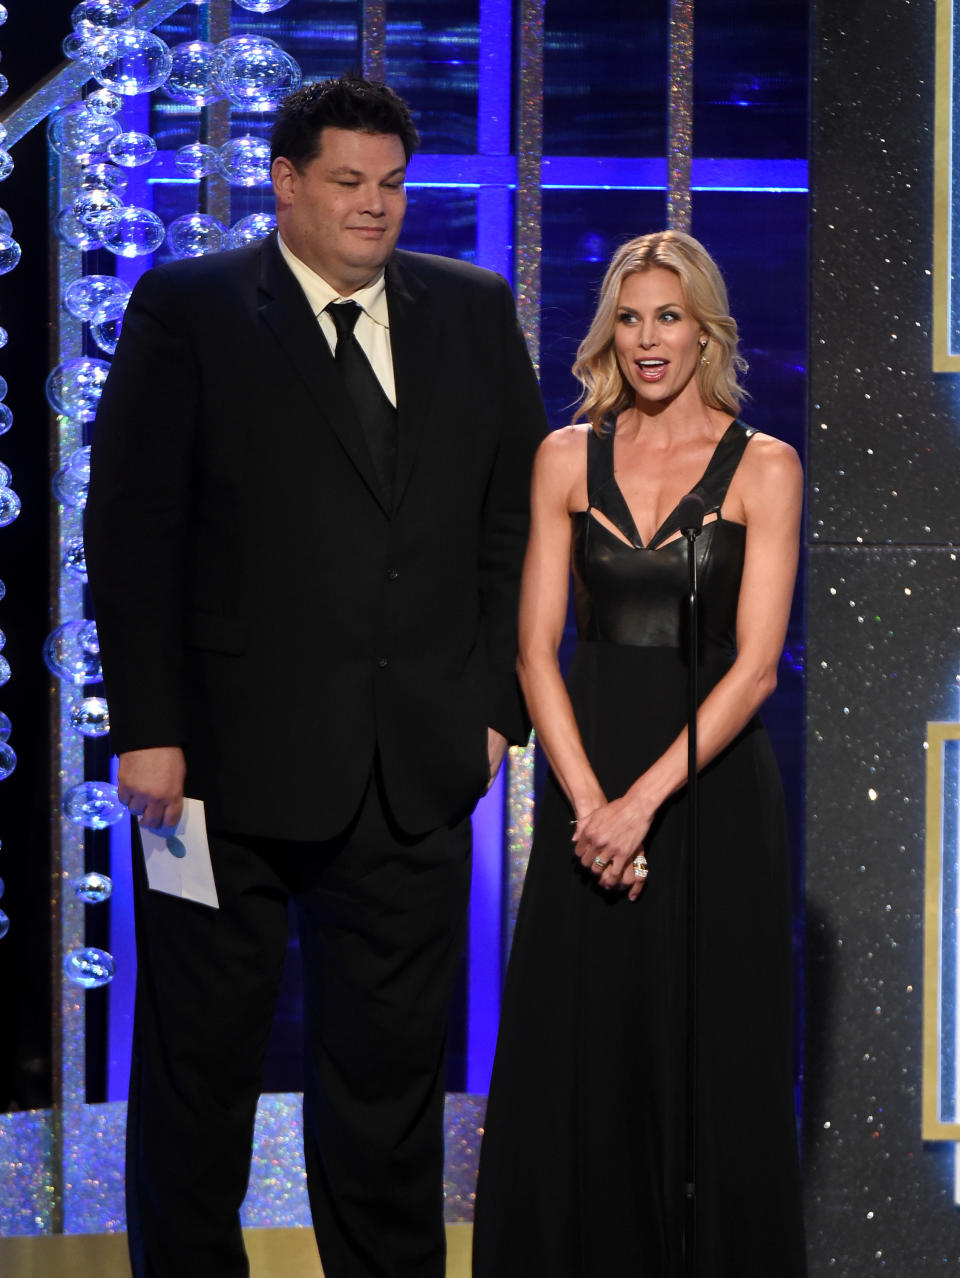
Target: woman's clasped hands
{"type": "Point", "coordinates": [608, 841]}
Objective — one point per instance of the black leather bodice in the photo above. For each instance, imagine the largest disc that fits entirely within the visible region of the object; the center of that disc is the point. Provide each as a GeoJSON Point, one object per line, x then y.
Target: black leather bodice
{"type": "Point", "coordinates": [634, 594]}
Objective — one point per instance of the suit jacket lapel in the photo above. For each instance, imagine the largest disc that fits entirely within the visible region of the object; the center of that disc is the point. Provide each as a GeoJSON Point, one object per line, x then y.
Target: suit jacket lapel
{"type": "Point", "coordinates": [413, 340]}
{"type": "Point", "coordinates": [284, 308]}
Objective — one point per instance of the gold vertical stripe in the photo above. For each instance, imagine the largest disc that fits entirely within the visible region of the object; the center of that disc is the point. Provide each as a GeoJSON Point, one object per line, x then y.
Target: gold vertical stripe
{"type": "Point", "coordinates": [933, 1128]}
{"type": "Point", "coordinates": [943, 360]}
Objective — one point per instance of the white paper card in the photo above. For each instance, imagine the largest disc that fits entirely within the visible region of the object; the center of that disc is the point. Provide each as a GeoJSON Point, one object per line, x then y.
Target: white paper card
{"type": "Point", "coordinates": [180, 863]}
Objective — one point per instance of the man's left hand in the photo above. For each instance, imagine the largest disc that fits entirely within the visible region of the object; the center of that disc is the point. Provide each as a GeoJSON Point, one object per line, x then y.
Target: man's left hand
{"type": "Point", "coordinates": [496, 749]}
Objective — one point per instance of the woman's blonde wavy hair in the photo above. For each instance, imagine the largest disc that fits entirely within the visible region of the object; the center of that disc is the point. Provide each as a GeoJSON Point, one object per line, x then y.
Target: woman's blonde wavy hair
{"type": "Point", "coordinates": [605, 391]}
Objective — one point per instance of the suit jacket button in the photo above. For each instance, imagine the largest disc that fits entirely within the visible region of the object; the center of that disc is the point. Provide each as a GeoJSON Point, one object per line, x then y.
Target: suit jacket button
{"type": "Point", "coordinates": [383, 663]}
{"type": "Point", "coordinates": [392, 574]}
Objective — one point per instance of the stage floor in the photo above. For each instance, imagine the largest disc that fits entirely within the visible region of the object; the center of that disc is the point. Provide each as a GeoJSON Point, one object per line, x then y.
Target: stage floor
{"type": "Point", "coordinates": [274, 1253]}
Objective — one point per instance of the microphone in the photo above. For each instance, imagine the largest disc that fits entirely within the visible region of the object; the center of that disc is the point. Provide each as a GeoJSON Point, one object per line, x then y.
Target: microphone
{"type": "Point", "coordinates": [690, 515]}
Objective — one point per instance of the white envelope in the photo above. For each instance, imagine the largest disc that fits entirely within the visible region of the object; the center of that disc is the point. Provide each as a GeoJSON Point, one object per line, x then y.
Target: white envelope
{"type": "Point", "coordinates": [180, 863]}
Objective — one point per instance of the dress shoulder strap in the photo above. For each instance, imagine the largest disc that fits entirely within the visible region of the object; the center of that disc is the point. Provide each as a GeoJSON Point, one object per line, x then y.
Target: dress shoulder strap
{"type": "Point", "coordinates": [712, 488]}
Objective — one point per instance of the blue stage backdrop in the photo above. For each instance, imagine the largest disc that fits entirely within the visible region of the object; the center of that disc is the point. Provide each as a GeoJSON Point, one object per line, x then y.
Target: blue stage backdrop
{"type": "Point", "coordinates": [881, 1108]}
{"type": "Point", "coordinates": [601, 94]}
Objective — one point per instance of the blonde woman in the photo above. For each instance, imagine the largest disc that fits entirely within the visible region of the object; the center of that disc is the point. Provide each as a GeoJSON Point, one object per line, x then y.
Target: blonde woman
{"type": "Point", "coordinates": [583, 1165]}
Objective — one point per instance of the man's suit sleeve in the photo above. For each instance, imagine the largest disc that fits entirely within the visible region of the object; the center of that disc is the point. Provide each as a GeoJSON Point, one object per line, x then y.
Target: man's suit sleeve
{"type": "Point", "coordinates": [136, 524]}
{"type": "Point", "coordinates": [506, 524]}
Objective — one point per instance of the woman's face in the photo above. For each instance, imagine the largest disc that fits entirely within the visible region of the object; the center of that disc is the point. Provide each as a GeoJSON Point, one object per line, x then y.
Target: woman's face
{"type": "Point", "coordinates": [657, 340]}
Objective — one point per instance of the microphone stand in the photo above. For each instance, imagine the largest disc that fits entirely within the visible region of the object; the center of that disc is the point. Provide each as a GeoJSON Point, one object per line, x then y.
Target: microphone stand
{"type": "Point", "coordinates": [690, 514]}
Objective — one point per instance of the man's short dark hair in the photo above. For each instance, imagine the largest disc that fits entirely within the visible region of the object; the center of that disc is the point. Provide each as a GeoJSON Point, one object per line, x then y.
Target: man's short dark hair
{"type": "Point", "coordinates": [350, 102]}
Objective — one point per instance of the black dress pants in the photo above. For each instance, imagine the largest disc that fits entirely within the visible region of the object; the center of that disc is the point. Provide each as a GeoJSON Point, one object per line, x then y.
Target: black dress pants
{"type": "Point", "coordinates": [381, 918]}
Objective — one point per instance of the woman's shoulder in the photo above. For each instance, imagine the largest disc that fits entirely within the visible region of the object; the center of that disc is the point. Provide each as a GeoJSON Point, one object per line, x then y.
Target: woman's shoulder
{"type": "Point", "coordinates": [769, 464]}
{"type": "Point", "coordinates": [563, 452]}
{"type": "Point", "coordinates": [561, 463]}
{"type": "Point", "coordinates": [566, 442]}
{"type": "Point", "coordinates": [768, 451]}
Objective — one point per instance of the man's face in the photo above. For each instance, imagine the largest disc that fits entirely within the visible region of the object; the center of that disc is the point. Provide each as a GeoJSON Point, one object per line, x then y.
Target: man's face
{"type": "Point", "coordinates": [341, 214]}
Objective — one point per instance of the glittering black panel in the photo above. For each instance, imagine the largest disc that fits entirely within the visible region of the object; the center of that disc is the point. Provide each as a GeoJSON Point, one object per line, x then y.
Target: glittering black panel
{"type": "Point", "coordinates": [883, 645]}
{"type": "Point", "coordinates": [885, 651]}
{"type": "Point", "coordinates": [886, 432]}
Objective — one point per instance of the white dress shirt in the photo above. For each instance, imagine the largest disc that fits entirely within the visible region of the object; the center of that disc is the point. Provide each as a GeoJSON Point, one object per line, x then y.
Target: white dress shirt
{"type": "Point", "coordinates": [372, 330]}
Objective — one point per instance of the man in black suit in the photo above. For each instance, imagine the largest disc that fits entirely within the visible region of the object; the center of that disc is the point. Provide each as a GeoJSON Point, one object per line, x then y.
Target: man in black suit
{"type": "Point", "coordinates": [304, 536]}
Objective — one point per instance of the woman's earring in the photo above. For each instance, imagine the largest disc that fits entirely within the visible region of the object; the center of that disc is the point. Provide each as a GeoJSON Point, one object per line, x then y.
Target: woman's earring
{"type": "Point", "coordinates": [704, 362]}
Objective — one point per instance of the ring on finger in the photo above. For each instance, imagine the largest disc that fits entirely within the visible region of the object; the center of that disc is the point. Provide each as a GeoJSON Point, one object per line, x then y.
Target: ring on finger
{"type": "Point", "coordinates": [640, 867]}
{"type": "Point", "coordinates": [600, 863]}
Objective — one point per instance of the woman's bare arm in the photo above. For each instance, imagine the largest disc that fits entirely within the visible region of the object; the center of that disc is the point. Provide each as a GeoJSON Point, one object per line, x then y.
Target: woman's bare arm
{"type": "Point", "coordinates": [559, 474]}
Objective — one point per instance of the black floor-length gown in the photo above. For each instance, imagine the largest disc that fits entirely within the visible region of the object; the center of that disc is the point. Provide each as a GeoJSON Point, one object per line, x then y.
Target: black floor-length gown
{"type": "Point", "coordinates": [582, 1165]}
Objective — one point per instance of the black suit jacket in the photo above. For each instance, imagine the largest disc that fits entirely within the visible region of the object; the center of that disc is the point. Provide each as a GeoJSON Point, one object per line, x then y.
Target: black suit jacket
{"type": "Point", "coordinates": [256, 600]}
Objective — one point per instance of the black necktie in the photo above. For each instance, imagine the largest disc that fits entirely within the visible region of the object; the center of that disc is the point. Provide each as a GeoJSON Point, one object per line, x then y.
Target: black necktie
{"type": "Point", "coordinates": [378, 417]}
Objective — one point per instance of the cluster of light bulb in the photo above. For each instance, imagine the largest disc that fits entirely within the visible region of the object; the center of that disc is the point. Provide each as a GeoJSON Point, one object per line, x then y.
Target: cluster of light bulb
{"type": "Point", "coordinates": [252, 73]}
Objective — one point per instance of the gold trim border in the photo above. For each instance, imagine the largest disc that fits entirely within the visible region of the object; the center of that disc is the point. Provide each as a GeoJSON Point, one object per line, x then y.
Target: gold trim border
{"type": "Point", "coordinates": [944, 361]}
{"type": "Point", "coordinates": [933, 1128]}
{"type": "Point", "coordinates": [271, 1252]}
